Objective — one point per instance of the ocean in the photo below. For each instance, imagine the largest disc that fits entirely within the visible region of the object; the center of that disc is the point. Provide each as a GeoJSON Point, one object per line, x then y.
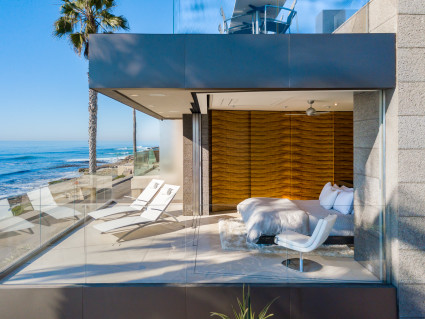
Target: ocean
{"type": "Point", "coordinates": [25, 166]}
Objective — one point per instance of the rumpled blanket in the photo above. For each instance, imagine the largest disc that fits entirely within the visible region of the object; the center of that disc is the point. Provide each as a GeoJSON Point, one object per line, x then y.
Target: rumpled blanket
{"type": "Point", "coordinates": [265, 216]}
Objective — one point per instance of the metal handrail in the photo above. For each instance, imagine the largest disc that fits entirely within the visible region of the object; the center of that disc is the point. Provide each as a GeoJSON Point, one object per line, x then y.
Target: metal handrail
{"type": "Point", "coordinates": [256, 19]}
{"type": "Point", "coordinates": [277, 7]}
{"type": "Point", "coordinates": [225, 22]}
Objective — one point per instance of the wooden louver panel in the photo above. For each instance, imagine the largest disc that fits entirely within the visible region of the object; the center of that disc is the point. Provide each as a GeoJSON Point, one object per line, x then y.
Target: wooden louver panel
{"type": "Point", "coordinates": [230, 149]}
{"type": "Point", "coordinates": [312, 155]}
{"type": "Point", "coordinates": [270, 154]}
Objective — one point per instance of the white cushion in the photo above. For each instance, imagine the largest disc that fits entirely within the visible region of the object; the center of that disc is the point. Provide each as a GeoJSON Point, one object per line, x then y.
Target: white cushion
{"type": "Point", "coordinates": [326, 189]}
{"type": "Point", "coordinates": [344, 202]}
{"type": "Point", "coordinates": [348, 189]}
{"type": "Point", "coordinates": [328, 199]}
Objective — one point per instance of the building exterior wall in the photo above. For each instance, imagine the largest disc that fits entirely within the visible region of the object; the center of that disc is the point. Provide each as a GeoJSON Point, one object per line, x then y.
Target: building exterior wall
{"type": "Point", "coordinates": [405, 146]}
{"type": "Point", "coordinates": [411, 157]}
{"type": "Point", "coordinates": [205, 142]}
{"type": "Point", "coordinates": [187, 165]}
{"type": "Point", "coordinates": [367, 181]}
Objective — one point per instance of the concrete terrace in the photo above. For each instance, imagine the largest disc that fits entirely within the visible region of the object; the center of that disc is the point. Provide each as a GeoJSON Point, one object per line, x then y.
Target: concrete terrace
{"type": "Point", "coordinates": [178, 253]}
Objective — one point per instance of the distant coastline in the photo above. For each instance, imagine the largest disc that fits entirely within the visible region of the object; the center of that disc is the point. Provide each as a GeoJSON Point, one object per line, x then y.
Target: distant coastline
{"type": "Point", "coordinates": [25, 166]}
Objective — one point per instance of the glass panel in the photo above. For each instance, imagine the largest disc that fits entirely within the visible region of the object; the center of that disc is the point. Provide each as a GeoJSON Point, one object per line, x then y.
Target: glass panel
{"type": "Point", "coordinates": [260, 17]}
{"type": "Point", "coordinates": [268, 171]}
{"type": "Point", "coordinates": [146, 161]}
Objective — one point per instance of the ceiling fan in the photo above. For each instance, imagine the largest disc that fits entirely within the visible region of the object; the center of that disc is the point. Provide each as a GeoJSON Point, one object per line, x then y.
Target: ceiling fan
{"type": "Point", "coordinates": [311, 111]}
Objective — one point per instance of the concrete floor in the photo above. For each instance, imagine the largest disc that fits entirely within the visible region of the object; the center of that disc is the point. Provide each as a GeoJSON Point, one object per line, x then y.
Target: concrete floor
{"type": "Point", "coordinates": [170, 253]}
{"type": "Point", "coordinates": [17, 244]}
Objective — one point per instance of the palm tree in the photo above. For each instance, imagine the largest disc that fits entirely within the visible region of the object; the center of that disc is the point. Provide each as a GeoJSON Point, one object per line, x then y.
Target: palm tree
{"type": "Point", "coordinates": [79, 19]}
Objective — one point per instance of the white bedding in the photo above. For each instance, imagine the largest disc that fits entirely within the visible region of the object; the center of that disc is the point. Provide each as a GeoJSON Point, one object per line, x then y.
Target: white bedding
{"type": "Point", "coordinates": [271, 216]}
{"type": "Point", "coordinates": [344, 225]}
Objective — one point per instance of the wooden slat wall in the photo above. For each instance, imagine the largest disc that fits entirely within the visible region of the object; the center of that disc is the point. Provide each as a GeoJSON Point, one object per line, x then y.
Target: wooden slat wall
{"type": "Point", "coordinates": [270, 154]}
{"type": "Point", "coordinates": [312, 154]}
{"type": "Point", "coordinates": [230, 149]}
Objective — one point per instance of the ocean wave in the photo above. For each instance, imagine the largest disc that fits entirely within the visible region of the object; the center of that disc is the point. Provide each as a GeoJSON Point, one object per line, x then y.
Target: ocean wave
{"type": "Point", "coordinates": [20, 187]}
{"type": "Point", "coordinates": [77, 160]}
{"type": "Point", "coordinates": [20, 157]}
{"type": "Point", "coordinates": [17, 172]}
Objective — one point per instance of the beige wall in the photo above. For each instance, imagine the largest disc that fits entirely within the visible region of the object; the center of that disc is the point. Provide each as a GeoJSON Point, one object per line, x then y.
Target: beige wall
{"type": "Point", "coordinates": [171, 153]}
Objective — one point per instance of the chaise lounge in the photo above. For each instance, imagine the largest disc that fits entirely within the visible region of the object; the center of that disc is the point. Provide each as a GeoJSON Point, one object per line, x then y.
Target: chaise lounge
{"type": "Point", "coordinates": [9, 223]}
{"type": "Point", "coordinates": [141, 201]}
{"type": "Point", "coordinates": [151, 215]}
{"type": "Point", "coordinates": [42, 200]}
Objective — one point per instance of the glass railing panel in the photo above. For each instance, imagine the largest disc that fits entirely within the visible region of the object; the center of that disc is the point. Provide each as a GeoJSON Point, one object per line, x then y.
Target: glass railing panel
{"type": "Point", "coordinates": [19, 230]}
{"type": "Point", "coordinates": [146, 162]}
{"type": "Point", "coordinates": [279, 17]}
{"type": "Point", "coordinates": [351, 252]}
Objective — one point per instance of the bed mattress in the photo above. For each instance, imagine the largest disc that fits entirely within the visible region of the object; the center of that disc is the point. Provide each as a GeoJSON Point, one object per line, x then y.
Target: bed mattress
{"type": "Point", "coordinates": [265, 216]}
{"type": "Point", "coordinates": [344, 225]}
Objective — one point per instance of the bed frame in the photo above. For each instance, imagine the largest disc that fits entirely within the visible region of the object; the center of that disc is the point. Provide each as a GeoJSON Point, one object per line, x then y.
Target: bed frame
{"type": "Point", "coordinates": [332, 240]}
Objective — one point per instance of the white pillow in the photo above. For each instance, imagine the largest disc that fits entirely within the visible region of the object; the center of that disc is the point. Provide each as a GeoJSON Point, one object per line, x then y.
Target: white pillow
{"type": "Point", "coordinates": [344, 202]}
{"type": "Point", "coordinates": [328, 199]}
{"type": "Point", "coordinates": [326, 189]}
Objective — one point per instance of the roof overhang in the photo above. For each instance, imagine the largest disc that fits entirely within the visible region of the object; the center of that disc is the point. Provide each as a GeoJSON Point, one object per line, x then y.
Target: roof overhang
{"type": "Point", "coordinates": [184, 64]}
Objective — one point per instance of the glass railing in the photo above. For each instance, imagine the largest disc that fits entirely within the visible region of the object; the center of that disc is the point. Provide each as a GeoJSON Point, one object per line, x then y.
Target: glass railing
{"type": "Point", "coordinates": [276, 17]}
{"type": "Point", "coordinates": [118, 227]}
{"type": "Point", "coordinates": [146, 161]}
{"type": "Point", "coordinates": [62, 234]}
{"type": "Point", "coordinates": [57, 238]}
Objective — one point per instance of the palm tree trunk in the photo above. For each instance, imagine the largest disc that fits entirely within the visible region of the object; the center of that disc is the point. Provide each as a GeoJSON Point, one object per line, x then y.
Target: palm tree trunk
{"type": "Point", "coordinates": [134, 134]}
{"type": "Point", "coordinates": [92, 130]}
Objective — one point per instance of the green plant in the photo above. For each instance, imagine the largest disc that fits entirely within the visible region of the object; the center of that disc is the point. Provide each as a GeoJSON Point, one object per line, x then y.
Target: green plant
{"type": "Point", "coordinates": [118, 177]}
{"type": "Point", "coordinates": [245, 310]}
{"type": "Point", "coordinates": [18, 210]}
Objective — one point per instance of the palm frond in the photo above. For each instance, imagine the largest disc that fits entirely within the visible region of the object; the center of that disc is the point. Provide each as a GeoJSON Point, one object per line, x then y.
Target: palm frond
{"type": "Point", "coordinates": [80, 18]}
{"type": "Point", "coordinates": [63, 26]}
{"type": "Point", "coordinates": [111, 22]}
{"type": "Point", "coordinates": [77, 41]}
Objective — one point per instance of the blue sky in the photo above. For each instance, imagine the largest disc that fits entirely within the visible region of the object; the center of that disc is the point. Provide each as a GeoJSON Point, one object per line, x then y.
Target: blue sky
{"type": "Point", "coordinates": [43, 83]}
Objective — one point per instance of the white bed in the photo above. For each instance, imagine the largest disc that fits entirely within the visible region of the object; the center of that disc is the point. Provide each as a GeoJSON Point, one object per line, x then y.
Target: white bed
{"type": "Point", "coordinates": [271, 216]}
{"type": "Point", "coordinates": [344, 225]}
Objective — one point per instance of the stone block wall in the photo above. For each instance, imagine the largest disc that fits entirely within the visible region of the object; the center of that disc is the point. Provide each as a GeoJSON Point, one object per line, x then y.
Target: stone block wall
{"type": "Point", "coordinates": [205, 142]}
{"type": "Point", "coordinates": [188, 165]}
{"type": "Point", "coordinates": [367, 181]}
{"type": "Point", "coordinates": [405, 146]}
{"type": "Point", "coordinates": [410, 268]}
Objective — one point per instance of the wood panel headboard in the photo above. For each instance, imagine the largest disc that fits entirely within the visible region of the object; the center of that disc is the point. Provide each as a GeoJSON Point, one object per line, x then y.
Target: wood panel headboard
{"type": "Point", "coordinates": [271, 154]}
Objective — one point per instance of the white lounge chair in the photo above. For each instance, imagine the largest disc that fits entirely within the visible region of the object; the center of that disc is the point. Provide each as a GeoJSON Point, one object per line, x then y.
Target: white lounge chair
{"type": "Point", "coordinates": [8, 222]}
{"type": "Point", "coordinates": [303, 243]}
{"type": "Point", "coordinates": [151, 215]}
{"type": "Point", "coordinates": [42, 200]}
{"type": "Point", "coordinates": [145, 197]}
